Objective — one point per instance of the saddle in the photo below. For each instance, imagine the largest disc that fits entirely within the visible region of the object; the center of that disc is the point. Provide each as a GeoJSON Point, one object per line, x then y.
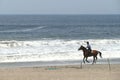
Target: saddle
{"type": "Point", "coordinates": [90, 52]}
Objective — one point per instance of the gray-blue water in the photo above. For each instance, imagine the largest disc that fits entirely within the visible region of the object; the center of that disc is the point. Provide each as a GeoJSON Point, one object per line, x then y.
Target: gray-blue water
{"type": "Point", "coordinates": [25, 38]}
{"type": "Point", "coordinates": [37, 27]}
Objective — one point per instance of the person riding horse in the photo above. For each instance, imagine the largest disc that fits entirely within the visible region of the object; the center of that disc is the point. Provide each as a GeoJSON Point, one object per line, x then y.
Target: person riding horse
{"type": "Point", "coordinates": [89, 48]}
{"type": "Point", "coordinates": [86, 54]}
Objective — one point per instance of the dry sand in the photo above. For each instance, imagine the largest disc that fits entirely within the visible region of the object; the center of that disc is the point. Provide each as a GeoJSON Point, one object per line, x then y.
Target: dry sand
{"type": "Point", "coordinates": [71, 72]}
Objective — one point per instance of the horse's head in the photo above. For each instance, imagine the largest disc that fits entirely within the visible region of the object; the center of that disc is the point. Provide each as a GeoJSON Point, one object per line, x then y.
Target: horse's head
{"type": "Point", "coordinates": [81, 48]}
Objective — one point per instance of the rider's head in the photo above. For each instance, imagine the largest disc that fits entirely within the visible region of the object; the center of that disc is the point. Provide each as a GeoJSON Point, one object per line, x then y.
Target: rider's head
{"type": "Point", "coordinates": [87, 42]}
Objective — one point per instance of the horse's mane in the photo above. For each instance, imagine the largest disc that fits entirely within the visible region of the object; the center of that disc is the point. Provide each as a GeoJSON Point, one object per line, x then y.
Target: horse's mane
{"type": "Point", "coordinates": [83, 47]}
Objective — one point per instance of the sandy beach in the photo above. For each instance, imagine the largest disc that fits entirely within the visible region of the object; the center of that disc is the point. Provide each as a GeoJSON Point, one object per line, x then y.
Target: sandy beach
{"type": "Point", "coordinates": [69, 72]}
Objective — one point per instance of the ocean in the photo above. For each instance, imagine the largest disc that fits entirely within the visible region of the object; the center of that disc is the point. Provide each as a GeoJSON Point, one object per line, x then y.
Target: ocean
{"type": "Point", "coordinates": [26, 38]}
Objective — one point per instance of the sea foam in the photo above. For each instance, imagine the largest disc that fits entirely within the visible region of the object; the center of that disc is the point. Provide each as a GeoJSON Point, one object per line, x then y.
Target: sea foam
{"type": "Point", "coordinates": [52, 50]}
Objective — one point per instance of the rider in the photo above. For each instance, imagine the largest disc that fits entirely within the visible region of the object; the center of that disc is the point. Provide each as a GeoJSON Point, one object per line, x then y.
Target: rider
{"type": "Point", "coordinates": [89, 47]}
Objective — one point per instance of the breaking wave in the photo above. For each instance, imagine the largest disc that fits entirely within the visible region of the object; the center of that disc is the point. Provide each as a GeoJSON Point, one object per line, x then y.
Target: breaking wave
{"type": "Point", "coordinates": [23, 30]}
{"type": "Point", "coordinates": [50, 50]}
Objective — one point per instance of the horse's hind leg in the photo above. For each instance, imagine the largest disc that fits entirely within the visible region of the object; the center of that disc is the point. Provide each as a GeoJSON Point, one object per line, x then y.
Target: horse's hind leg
{"type": "Point", "coordinates": [93, 60]}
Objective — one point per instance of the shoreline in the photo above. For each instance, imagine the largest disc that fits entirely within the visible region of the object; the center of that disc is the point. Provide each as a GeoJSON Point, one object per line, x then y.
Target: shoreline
{"type": "Point", "coordinates": [56, 63]}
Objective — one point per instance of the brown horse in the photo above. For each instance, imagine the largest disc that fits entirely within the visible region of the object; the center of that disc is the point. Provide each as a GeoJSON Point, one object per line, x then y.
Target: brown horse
{"type": "Point", "coordinates": [93, 53]}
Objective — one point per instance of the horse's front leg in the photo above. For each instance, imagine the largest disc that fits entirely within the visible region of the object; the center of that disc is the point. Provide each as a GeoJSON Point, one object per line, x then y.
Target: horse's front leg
{"type": "Point", "coordinates": [84, 59]}
{"type": "Point", "coordinates": [87, 60]}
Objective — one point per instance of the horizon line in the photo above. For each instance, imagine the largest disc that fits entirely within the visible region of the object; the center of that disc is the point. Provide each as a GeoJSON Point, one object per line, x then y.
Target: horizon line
{"type": "Point", "coordinates": [60, 14]}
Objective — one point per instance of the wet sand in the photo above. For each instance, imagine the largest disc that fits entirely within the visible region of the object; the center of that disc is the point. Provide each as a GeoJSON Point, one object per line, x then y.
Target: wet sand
{"type": "Point", "coordinates": [68, 72]}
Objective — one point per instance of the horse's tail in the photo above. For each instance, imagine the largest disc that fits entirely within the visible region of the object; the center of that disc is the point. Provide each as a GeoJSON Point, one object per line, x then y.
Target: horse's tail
{"type": "Point", "coordinates": [100, 54]}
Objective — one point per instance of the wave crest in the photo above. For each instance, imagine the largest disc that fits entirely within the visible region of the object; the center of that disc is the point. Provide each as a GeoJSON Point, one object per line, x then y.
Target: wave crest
{"type": "Point", "coordinates": [46, 50]}
{"type": "Point", "coordinates": [23, 30]}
